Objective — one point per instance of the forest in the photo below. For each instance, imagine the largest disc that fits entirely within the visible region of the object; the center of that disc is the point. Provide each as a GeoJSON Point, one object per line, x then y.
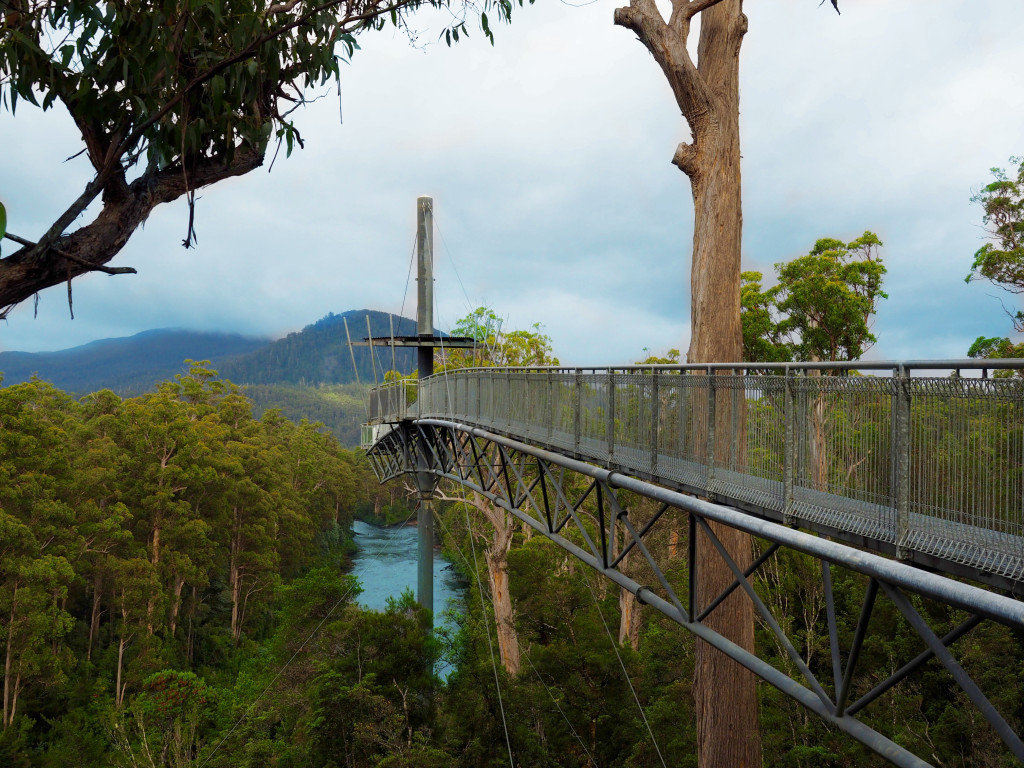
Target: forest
{"type": "Point", "coordinates": [173, 593]}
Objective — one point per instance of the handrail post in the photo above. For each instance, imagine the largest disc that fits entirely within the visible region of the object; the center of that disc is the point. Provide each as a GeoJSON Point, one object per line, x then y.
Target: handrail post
{"type": "Point", "coordinates": [610, 426]}
{"type": "Point", "coordinates": [901, 462]}
{"type": "Point", "coordinates": [551, 405]}
{"type": "Point", "coordinates": [508, 400]}
{"type": "Point", "coordinates": [712, 413]}
{"type": "Point", "coordinates": [734, 421]}
{"type": "Point", "coordinates": [578, 415]}
{"type": "Point", "coordinates": [655, 420]}
{"type": "Point", "coordinates": [788, 448]}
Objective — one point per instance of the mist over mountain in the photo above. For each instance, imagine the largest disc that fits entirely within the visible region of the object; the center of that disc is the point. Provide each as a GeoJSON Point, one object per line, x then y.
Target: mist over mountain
{"type": "Point", "coordinates": [129, 365]}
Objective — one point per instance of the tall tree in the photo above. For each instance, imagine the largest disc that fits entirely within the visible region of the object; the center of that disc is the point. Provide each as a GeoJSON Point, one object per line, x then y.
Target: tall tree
{"type": "Point", "coordinates": [706, 90]}
{"type": "Point", "coordinates": [498, 346]}
{"type": "Point", "coordinates": [171, 96]}
{"type": "Point", "coordinates": [829, 297]}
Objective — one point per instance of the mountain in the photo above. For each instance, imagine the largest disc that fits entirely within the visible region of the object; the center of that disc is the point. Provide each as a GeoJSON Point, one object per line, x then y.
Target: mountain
{"type": "Point", "coordinates": [319, 353]}
{"type": "Point", "coordinates": [307, 374]}
{"type": "Point", "coordinates": [128, 365]}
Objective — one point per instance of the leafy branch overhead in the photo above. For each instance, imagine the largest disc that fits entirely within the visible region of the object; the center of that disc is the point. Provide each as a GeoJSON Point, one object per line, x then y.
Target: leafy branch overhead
{"type": "Point", "coordinates": [170, 96]}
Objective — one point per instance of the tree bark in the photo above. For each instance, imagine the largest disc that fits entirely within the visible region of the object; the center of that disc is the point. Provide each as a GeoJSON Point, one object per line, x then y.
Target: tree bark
{"type": "Point", "coordinates": [123, 641]}
{"type": "Point", "coordinates": [504, 617]}
{"type": "Point", "coordinates": [707, 93]}
{"type": "Point", "coordinates": [496, 557]}
{"type": "Point", "coordinates": [235, 577]}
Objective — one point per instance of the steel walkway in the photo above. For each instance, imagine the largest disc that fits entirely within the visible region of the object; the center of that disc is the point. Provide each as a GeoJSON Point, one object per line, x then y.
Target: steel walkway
{"type": "Point", "coordinates": [927, 467]}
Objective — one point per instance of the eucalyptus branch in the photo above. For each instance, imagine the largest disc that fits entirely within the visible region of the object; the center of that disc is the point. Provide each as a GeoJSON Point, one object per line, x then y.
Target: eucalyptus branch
{"type": "Point", "coordinates": [112, 162]}
{"type": "Point", "coordinates": [76, 259]}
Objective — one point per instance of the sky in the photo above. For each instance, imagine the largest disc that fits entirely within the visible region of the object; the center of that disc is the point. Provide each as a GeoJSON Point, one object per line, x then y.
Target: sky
{"type": "Point", "coordinates": [548, 158]}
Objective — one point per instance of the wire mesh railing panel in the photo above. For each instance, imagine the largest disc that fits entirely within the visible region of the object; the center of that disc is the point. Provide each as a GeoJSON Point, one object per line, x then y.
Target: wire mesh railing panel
{"type": "Point", "coordinates": [682, 434]}
{"type": "Point", "coordinates": [564, 407]}
{"type": "Point", "coordinates": [967, 466]}
{"type": "Point", "coordinates": [390, 402]}
{"type": "Point", "coordinates": [593, 417]}
{"type": "Point", "coordinates": [843, 452]}
{"type": "Point", "coordinates": [632, 429]}
{"type": "Point", "coordinates": [751, 425]}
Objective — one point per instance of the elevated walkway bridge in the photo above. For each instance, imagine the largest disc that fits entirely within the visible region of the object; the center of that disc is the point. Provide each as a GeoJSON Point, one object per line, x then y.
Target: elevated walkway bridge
{"type": "Point", "coordinates": [927, 467]}
{"type": "Point", "coordinates": [919, 465]}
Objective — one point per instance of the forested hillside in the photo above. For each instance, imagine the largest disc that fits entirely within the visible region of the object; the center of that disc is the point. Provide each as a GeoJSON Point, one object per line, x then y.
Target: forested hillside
{"type": "Point", "coordinates": [307, 374]}
{"type": "Point", "coordinates": [341, 408]}
{"type": "Point", "coordinates": [319, 353]}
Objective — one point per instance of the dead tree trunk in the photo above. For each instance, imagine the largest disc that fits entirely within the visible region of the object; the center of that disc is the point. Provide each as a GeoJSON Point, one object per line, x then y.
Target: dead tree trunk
{"type": "Point", "coordinates": [9, 656]}
{"type": "Point", "coordinates": [707, 93]}
{"type": "Point", "coordinates": [496, 556]}
{"type": "Point", "coordinates": [94, 620]}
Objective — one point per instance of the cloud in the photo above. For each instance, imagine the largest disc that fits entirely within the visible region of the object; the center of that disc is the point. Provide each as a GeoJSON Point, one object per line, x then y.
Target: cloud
{"type": "Point", "coordinates": [548, 158]}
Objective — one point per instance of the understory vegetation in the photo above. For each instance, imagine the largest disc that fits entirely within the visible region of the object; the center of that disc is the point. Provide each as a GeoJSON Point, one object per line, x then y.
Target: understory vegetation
{"type": "Point", "coordinates": [173, 593]}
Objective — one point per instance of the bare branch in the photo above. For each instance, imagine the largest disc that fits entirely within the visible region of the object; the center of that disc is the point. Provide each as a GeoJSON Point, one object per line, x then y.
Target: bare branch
{"type": "Point", "coordinates": [696, 6]}
{"type": "Point", "coordinates": [77, 260]}
{"type": "Point", "coordinates": [281, 7]}
{"type": "Point", "coordinates": [685, 158]}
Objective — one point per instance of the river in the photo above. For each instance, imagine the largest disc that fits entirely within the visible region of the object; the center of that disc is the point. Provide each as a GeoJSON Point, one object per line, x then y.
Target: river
{"type": "Point", "coordinates": [385, 564]}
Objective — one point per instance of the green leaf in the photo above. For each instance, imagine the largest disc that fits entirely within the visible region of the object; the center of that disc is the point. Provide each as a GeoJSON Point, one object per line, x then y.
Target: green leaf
{"type": "Point", "coordinates": [3, 221]}
{"type": "Point", "coordinates": [217, 92]}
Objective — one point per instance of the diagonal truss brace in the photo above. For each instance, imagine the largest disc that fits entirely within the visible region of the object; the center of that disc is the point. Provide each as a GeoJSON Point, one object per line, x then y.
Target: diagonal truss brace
{"type": "Point", "coordinates": [533, 484]}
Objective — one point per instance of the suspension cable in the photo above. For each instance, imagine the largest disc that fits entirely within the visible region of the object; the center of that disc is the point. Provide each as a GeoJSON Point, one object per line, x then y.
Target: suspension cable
{"type": "Point", "coordinates": [547, 689]}
{"type": "Point", "coordinates": [469, 304]}
{"type": "Point", "coordinates": [624, 671]}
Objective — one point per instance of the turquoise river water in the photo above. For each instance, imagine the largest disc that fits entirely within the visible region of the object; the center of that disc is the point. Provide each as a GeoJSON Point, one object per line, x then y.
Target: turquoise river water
{"type": "Point", "coordinates": [386, 564]}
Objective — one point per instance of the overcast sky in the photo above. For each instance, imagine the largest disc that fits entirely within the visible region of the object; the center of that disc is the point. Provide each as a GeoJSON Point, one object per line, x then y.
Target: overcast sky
{"type": "Point", "coordinates": [548, 157]}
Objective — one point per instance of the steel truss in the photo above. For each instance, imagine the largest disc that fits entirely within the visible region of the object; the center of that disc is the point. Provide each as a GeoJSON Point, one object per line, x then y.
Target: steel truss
{"type": "Point", "coordinates": [533, 484]}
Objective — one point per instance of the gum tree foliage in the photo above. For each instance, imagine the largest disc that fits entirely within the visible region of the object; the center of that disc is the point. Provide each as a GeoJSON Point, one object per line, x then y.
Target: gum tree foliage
{"type": "Point", "coordinates": [1001, 260]}
{"type": "Point", "coordinates": [497, 346]}
{"type": "Point", "coordinates": [762, 342]}
{"type": "Point", "coordinates": [171, 96]}
{"type": "Point", "coordinates": [822, 306]}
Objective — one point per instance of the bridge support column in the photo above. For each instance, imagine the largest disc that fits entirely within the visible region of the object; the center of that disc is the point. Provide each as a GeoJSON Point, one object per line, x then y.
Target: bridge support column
{"type": "Point", "coordinates": [425, 552]}
{"type": "Point", "coordinates": [425, 359]}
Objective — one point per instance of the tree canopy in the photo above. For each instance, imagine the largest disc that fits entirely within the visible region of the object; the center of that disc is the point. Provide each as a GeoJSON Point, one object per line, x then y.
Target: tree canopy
{"type": "Point", "coordinates": [171, 96]}
{"type": "Point", "coordinates": [1001, 260]}
{"type": "Point", "coordinates": [822, 306]}
{"type": "Point", "coordinates": [497, 346]}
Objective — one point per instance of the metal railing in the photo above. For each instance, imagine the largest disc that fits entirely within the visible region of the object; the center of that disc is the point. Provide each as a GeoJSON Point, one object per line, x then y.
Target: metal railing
{"type": "Point", "coordinates": [920, 459]}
